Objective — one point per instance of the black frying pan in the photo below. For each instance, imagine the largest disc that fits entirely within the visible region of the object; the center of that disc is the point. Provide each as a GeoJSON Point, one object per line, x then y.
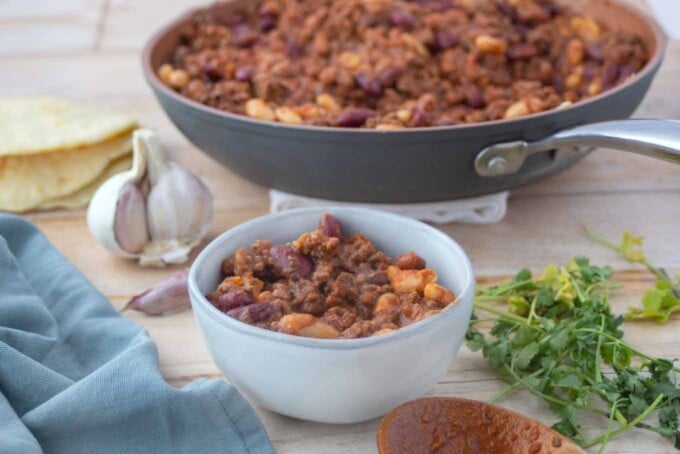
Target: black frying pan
{"type": "Point", "coordinates": [417, 164]}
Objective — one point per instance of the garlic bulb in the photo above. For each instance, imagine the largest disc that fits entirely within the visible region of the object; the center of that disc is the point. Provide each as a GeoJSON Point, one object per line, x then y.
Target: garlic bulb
{"type": "Point", "coordinates": [156, 212]}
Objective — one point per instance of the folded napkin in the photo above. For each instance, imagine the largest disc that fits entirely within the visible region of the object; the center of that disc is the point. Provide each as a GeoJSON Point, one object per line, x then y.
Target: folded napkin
{"type": "Point", "coordinates": [76, 377]}
{"type": "Point", "coordinates": [485, 209]}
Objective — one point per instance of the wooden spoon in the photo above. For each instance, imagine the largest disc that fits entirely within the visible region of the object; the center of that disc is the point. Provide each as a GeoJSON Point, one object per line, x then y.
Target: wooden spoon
{"type": "Point", "coordinates": [460, 426]}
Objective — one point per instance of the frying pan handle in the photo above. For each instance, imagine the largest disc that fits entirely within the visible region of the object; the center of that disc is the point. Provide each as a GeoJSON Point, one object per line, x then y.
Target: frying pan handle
{"type": "Point", "coordinates": [655, 138]}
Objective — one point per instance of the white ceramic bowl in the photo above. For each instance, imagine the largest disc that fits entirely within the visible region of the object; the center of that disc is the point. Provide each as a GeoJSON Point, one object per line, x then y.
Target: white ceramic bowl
{"type": "Point", "coordinates": [331, 380]}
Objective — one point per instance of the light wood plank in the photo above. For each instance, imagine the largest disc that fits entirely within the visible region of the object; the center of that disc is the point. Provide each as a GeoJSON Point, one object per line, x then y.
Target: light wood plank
{"type": "Point", "coordinates": [35, 10]}
{"type": "Point", "coordinates": [33, 26]}
{"type": "Point", "coordinates": [128, 26]}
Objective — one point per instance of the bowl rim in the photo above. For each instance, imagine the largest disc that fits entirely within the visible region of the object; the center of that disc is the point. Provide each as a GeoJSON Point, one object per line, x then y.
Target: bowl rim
{"type": "Point", "coordinates": [201, 303]}
{"type": "Point", "coordinates": [151, 77]}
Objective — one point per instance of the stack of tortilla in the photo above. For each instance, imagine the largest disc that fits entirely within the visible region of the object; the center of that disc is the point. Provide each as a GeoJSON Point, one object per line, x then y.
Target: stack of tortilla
{"type": "Point", "coordinates": [55, 153]}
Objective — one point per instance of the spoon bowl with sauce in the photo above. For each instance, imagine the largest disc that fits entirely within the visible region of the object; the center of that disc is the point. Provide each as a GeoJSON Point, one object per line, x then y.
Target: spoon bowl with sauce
{"type": "Point", "coordinates": [462, 426]}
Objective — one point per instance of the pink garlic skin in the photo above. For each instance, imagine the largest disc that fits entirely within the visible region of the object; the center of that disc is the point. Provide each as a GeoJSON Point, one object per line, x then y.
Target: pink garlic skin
{"type": "Point", "coordinates": [167, 296]}
{"type": "Point", "coordinates": [129, 225]}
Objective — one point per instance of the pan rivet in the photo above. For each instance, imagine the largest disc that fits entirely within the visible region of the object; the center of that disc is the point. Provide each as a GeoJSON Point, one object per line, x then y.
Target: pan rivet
{"type": "Point", "coordinates": [497, 165]}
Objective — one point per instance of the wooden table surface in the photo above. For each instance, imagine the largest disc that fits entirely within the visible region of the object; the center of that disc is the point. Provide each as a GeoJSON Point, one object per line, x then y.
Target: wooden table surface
{"type": "Point", "coordinates": [90, 50]}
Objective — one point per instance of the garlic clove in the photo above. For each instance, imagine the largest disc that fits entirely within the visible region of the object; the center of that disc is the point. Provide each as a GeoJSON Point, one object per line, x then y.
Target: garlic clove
{"type": "Point", "coordinates": [129, 225]}
{"type": "Point", "coordinates": [101, 214]}
{"type": "Point", "coordinates": [179, 206]}
{"type": "Point", "coordinates": [167, 296]}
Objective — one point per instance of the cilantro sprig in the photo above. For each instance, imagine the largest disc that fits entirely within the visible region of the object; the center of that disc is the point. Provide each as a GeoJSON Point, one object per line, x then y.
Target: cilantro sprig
{"type": "Point", "coordinates": [660, 301]}
{"type": "Point", "coordinates": [555, 336]}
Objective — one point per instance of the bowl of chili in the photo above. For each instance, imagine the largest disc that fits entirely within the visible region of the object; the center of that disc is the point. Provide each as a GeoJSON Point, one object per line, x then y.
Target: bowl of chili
{"type": "Point", "coordinates": [334, 379]}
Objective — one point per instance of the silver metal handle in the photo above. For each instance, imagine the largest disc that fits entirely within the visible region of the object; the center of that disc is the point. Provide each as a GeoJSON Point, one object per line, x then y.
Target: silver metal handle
{"type": "Point", "coordinates": [655, 138]}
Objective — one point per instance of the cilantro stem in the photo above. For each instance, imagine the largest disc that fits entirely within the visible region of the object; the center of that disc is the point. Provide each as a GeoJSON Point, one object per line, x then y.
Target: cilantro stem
{"type": "Point", "coordinates": [510, 388]}
{"type": "Point", "coordinates": [598, 371]}
{"type": "Point", "coordinates": [499, 290]}
{"type": "Point", "coordinates": [501, 313]}
{"type": "Point", "coordinates": [608, 435]}
{"type": "Point", "coordinates": [581, 296]}
{"type": "Point", "coordinates": [617, 414]}
{"type": "Point", "coordinates": [618, 341]}
{"type": "Point", "coordinates": [532, 310]}
{"type": "Point", "coordinates": [555, 400]}
{"type": "Point", "coordinates": [482, 320]}
{"type": "Point", "coordinates": [623, 344]}
{"type": "Point", "coordinates": [601, 239]}
{"type": "Point", "coordinates": [609, 427]}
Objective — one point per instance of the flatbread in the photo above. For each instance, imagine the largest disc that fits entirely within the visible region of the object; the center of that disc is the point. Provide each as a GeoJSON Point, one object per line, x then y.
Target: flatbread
{"type": "Point", "coordinates": [82, 196]}
{"type": "Point", "coordinates": [41, 124]}
{"type": "Point", "coordinates": [28, 181]}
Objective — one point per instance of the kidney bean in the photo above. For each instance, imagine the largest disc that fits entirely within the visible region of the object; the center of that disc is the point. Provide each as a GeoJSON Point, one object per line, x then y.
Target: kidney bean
{"type": "Point", "coordinates": [379, 279]}
{"type": "Point", "coordinates": [370, 85]}
{"type": "Point", "coordinates": [267, 21]}
{"type": "Point", "coordinates": [444, 40]}
{"type": "Point", "coordinates": [388, 77]}
{"type": "Point", "coordinates": [558, 82]}
{"type": "Point", "coordinates": [253, 313]}
{"type": "Point", "coordinates": [523, 51]}
{"type": "Point", "coordinates": [403, 19]}
{"type": "Point", "coordinates": [289, 262]}
{"type": "Point", "coordinates": [293, 49]}
{"type": "Point", "coordinates": [212, 70]}
{"type": "Point", "coordinates": [228, 18]}
{"type": "Point", "coordinates": [594, 51]}
{"type": "Point", "coordinates": [330, 226]}
{"type": "Point", "coordinates": [233, 298]}
{"type": "Point", "coordinates": [419, 117]}
{"type": "Point", "coordinates": [409, 261]}
{"type": "Point", "coordinates": [610, 73]}
{"type": "Point", "coordinates": [243, 35]}
{"type": "Point", "coordinates": [261, 311]}
{"type": "Point", "coordinates": [244, 73]}
{"type": "Point", "coordinates": [522, 30]}
{"type": "Point", "coordinates": [589, 71]}
{"type": "Point", "coordinates": [474, 97]}
{"type": "Point", "coordinates": [353, 118]}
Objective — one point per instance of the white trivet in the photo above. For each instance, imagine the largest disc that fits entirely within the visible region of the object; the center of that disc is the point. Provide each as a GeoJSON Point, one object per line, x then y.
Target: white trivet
{"type": "Point", "coordinates": [486, 209]}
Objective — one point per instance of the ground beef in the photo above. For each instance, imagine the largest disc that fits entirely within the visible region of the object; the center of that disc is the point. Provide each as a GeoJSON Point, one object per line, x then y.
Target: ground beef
{"type": "Point", "coordinates": [328, 285]}
{"type": "Point", "coordinates": [394, 64]}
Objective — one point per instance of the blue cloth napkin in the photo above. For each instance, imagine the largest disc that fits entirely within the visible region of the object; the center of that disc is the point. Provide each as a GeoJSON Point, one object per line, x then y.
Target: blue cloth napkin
{"type": "Point", "coordinates": [76, 377]}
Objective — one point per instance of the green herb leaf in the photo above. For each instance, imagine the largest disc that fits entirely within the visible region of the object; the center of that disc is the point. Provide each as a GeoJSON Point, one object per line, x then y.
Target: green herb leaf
{"type": "Point", "coordinates": [554, 334]}
{"type": "Point", "coordinates": [631, 248]}
{"type": "Point", "coordinates": [660, 302]}
{"type": "Point", "coordinates": [525, 355]}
